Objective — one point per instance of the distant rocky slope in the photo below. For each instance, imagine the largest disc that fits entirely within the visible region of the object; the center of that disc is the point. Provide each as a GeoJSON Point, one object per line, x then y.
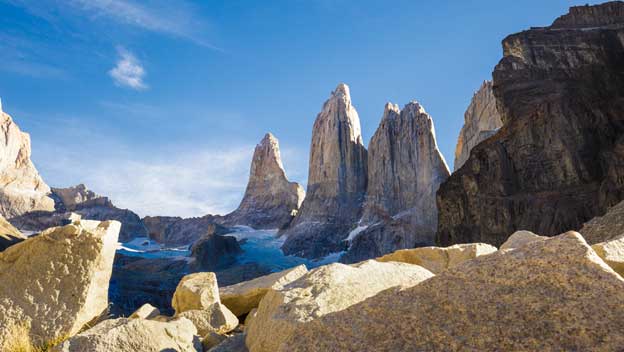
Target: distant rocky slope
{"type": "Point", "coordinates": [21, 188]}
{"type": "Point", "coordinates": [87, 205]}
{"type": "Point", "coordinates": [9, 235]}
{"type": "Point", "coordinates": [405, 170]}
{"type": "Point", "coordinates": [336, 181]}
{"type": "Point", "coordinates": [270, 200]}
{"type": "Point", "coordinates": [558, 160]}
{"type": "Point", "coordinates": [176, 231]}
{"type": "Point", "coordinates": [605, 227]}
{"type": "Point", "coordinates": [481, 121]}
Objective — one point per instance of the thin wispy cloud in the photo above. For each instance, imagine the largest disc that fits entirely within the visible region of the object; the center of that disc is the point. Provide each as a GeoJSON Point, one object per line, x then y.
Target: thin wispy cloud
{"type": "Point", "coordinates": [128, 72]}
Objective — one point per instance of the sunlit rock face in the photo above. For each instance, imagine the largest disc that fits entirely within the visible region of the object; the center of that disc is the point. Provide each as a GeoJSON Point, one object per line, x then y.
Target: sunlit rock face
{"type": "Point", "coordinates": [558, 160]}
{"type": "Point", "coordinates": [21, 187]}
{"type": "Point", "coordinates": [405, 169]}
{"type": "Point", "coordinates": [336, 181]}
{"type": "Point", "coordinates": [481, 121]}
{"type": "Point", "coordinates": [270, 200]}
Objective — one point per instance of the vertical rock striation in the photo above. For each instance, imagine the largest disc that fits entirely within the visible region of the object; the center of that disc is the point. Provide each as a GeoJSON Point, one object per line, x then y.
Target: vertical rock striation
{"type": "Point", "coordinates": [405, 170]}
{"type": "Point", "coordinates": [336, 181]}
{"type": "Point", "coordinates": [270, 200]}
{"type": "Point", "coordinates": [558, 160]}
{"type": "Point", "coordinates": [481, 121]}
{"type": "Point", "coordinates": [21, 187]}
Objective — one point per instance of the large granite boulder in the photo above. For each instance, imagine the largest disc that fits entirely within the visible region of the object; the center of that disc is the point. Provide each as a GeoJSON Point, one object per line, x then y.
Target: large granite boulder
{"type": "Point", "coordinates": [405, 170]}
{"type": "Point", "coordinates": [21, 187]}
{"type": "Point", "coordinates": [437, 259]}
{"type": "Point", "coordinates": [241, 298]}
{"type": "Point", "coordinates": [481, 121]}
{"type": "Point", "coordinates": [216, 318]}
{"type": "Point", "coordinates": [606, 227]}
{"type": "Point", "coordinates": [553, 295]}
{"type": "Point", "coordinates": [323, 292]}
{"type": "Point", "coordinates": [612, 252]}
{"type": "Point", "coordinates": [196, 292]}
{"type": "Point", "coordinates": [57, 282]}
{"type": "Point", "coordinates": [270, 200]}
{"type": "Point", "coordinates": [558, 160]}
{"type": "Point", "coordinates": [9, 235]}
{"type": "Point", "coordinates": [336, 181]}
{"type": "Point", "coordinates": [136, 335]}
{"type": "Point", "coordinates": [213, 252]}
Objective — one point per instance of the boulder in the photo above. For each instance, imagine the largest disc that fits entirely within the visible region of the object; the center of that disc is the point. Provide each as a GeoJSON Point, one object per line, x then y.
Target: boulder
{"type": "Point", "coordinates": [57, 282]}
{"type": "Point", "coordinates": [270, 200]}
{"type": "Point", "coordinates": [405, 170]}
{"type": "Point", "coordinates": [552, 295]}
{"type": "Point", "coordinates": [612, 252]}
{"type": "Point", "coordinates": [196, 291]}
{"type": "Point", "coordinates": [213, 252]}
{"type": "Point", "coordinates": [135, 335]}
{"type": "Point", "coordinates": [147, 311]}
{"type": "Point", "coordinates": [212, 339]}
{"type": "Point", "coordinates": [9, 235]}
{"type": "Point", "coordinates": [437, 259]}
{"type": "Point", "coordinates": [481, 121]}
{"type": "Point", "coordinates": [336, 181]}
{"type": "Point", "coordinates": [235, 343]}
{"type": "Point", "coordinates": [521, 238]}
{"type": "Point", "coordinates": [323, 291]}
{"type": "Point", "coordinates": [606, 227]}
{"type": "Point", "coordinates": [245, 296]}
{"type": "Point", "coordinates": [558, 159]}
{"type": "Point", "coordinates": [216, 318]}
{"type": "Point", "coordinates": [21, 187]}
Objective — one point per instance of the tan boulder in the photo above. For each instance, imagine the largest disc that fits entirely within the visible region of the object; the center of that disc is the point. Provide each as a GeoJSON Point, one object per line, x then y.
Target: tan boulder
{"type": "Point", "coordinates": [146, 311]}
{"type": "Point", "coordinates": [250, 316]}
{"type": "Point", "coordinates": [245, 296]}
{"type": "Point", "coordinates": [438, 259]}
{"type": "Point", "coordinates": [135, 335]}
{"type": "Point", "coordinates": [58, 281]}
{"type": "Point", "coordinates": [612, 252]}
{"type": "Point", "coordinates": [551, 295]}
{"type": "Point", "coordinates": [323, 291]}
{"type": "Point", "coordinates": [216, 318]}
{"type": "Point", "coordinates": [521, 238]}
{"type": "Point", "coordinates": [196, 292]}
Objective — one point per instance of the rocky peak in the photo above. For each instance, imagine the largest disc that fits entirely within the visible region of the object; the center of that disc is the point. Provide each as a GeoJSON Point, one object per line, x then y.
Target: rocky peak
{"type": "Point", "coordinates": [71, 197]}
{"type": "Point", "coordinates": [336, 180]}
{"type": "Point", "coordinates": [405, 169]}
{"type": "Point", "coordinates": [270, 200]}
{"type": "Point", "coordinates": [21, 187]}
{"type": "Point", "coordinates": [481, 121]}
{"type": "Point", "coordinates": [607, 14]}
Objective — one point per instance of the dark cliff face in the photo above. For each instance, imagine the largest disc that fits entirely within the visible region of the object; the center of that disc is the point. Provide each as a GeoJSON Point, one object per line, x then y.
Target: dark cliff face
{"type": "Point", "coordinates": [558, 160]}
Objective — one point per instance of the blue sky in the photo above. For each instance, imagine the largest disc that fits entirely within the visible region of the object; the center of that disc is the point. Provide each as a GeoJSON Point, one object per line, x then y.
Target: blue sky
{"type": "Point", "coordinates": [158, 104]}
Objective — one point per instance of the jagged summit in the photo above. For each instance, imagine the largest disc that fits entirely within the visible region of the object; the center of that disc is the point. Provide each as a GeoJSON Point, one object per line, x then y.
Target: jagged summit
{"type": "Point", "coordinates": [270, 200]}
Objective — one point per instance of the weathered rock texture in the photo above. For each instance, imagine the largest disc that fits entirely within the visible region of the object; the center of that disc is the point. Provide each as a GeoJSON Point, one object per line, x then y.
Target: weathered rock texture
{"type": "Point", "coordinates": [216, 318]}
{"type": "Point", "coordinates": [612, 252]}
{"type": "Point", "coordinates": [558, 160]}
{"type": "Point", "coordinates": [196, 292]}
{"type": "Point", "coordinates": [519, 239]}
{"type": "Point", "coordinates": [605, 227]}
{"type": "Point", "coordinates": [405, 170]}
{"type": "Point", "coordinates": [84, 202]}
{"type": "Point", "coordinates": [481, 121]}
{"type": "Point", "coordinates": [507, 301]}
{"type": "Point", "coordinates": [270, 200]}
{"type": "Point", "coordinates": [336, 181]}
{"type": "Point", "coordinates": [21, 188]}
{"type": "Point", "coordinates": [436, 259]}
{"type": "Point", "coordinates": [322, 292]}
{"type": "Point", "coordinates": [58, 281]}
{"type": "Point", "coordinates": [136, 335]}
{"type": "Point", "coordinates": [9, 235]}
{"type": "Point", "coordinates": [213, 252]}
{"type": "Point", "coordinates": [245, 296]}
{"type": "Point", "coordinates": [175, 231]}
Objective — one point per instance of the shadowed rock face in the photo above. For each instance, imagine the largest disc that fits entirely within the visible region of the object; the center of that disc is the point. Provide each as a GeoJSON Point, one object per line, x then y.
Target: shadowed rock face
{"type": "Point", "coordinates": [175, 231]}
{"type": "Point", "coordinates": [336, 181]}
{"type": "Point", "coordinates": [558, 161]}
{"type": "Point", "coordinates": [9, 235]}
{"type": "Point", "coordinates": [270, 200]}
{"type": "Point", "coordinates": [481, 121]}
{"type": "Point", "coordinates": [213, 252]}
{"type": "Point", "coordinates": [405, 169]}
{"type": "Point", "coordinates": [21, 188]}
